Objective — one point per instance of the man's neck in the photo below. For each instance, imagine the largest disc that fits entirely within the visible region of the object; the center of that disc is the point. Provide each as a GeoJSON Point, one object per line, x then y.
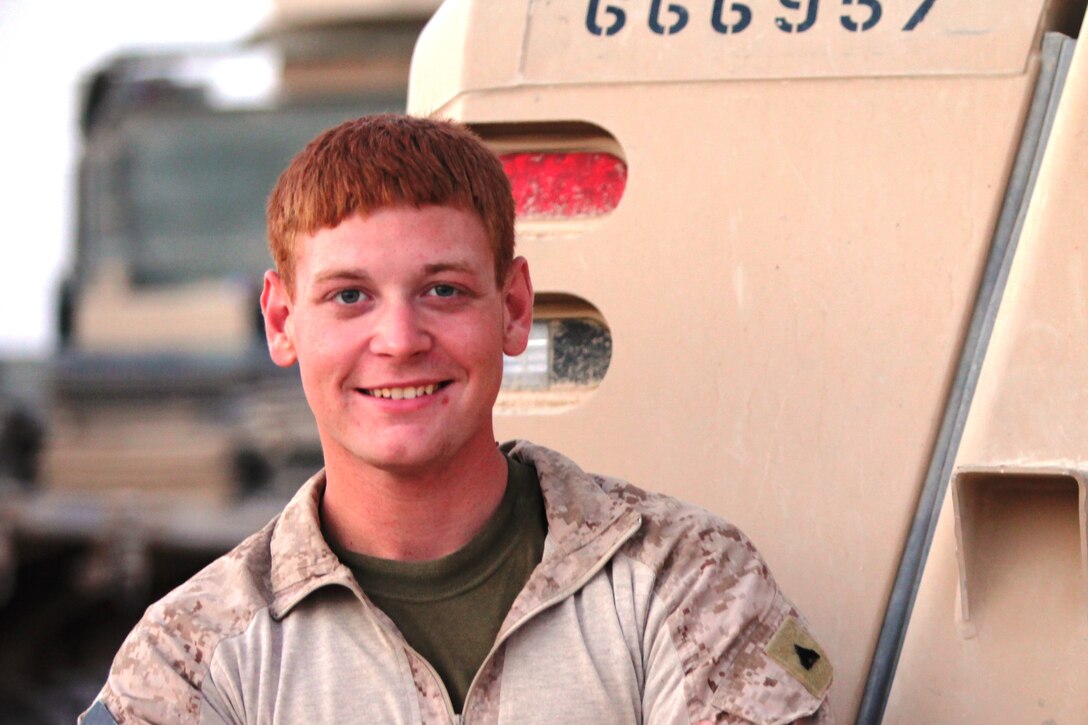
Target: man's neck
{"type": "Point", "coordinates": [411, 517]}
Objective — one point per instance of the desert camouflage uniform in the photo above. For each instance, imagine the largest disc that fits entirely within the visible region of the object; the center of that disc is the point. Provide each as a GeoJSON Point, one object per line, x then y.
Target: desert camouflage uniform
{"type": "Point", "coordinates": [643, 609]}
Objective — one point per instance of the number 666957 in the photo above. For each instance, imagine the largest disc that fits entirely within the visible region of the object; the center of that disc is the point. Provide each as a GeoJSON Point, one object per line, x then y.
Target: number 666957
{"type": "Point", "coordinates": [730, 17]}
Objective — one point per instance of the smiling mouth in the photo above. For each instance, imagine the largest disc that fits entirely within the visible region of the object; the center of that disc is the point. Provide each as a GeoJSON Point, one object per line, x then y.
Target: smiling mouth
{"type": "Point", "coordinates": [408, 393]}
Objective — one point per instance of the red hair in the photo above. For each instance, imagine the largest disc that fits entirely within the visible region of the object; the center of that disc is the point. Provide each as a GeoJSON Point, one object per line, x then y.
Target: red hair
{"type": "Point", "coordinates": [388, 160]}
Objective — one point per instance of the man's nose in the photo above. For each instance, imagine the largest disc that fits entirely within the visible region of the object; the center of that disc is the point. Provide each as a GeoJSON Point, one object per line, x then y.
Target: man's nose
{"type": "Point", "coordinates": [398, 331]}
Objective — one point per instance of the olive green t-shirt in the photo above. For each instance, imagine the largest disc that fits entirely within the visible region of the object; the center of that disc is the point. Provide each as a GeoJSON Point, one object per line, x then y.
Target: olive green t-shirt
{"type": "Point", "coordinates": [450, 609]}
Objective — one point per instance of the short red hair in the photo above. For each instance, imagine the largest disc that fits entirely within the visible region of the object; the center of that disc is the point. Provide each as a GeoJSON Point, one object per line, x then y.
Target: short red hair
{"type": "Point", "coordinates": [387, 160]}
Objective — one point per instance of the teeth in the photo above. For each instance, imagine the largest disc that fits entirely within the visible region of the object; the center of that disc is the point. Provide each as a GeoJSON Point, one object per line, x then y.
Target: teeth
{"type": "Point", "coordinates": [403, 393]}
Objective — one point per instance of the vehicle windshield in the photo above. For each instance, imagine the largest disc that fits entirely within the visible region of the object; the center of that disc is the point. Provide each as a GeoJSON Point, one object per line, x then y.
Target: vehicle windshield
{"type": "Point", "coordinates": [181, 196]}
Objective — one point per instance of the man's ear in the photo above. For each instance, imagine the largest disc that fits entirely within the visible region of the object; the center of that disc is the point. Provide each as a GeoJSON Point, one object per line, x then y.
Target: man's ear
{"type": "Point", "coordinates": [517, 297]}
{"type": "Point", "coordinates": [279, 327]}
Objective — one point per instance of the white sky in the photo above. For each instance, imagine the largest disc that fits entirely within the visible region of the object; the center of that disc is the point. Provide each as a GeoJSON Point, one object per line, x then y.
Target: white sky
{"type": "Point", "coordinates": [45, 48]}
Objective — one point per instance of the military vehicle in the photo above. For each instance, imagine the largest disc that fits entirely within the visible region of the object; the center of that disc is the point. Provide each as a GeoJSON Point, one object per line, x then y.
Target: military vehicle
{"type": "Point", "coordinates": [837, 251]}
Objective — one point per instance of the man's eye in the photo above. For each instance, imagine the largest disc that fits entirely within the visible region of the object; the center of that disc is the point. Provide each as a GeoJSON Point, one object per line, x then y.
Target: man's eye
{"type": "Point", "coordinates": [349, 296]}
{"type": "Point", "coordinates": [442, 290]}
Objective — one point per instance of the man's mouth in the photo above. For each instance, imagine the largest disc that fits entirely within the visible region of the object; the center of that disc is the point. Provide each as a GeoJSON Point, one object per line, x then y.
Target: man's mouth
{"type": "Point", "coordinates": [404, 393]}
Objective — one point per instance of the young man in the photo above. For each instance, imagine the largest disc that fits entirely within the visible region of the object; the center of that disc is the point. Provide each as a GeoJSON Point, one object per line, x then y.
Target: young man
{"type": "Point", "coordinates": [428, 574]}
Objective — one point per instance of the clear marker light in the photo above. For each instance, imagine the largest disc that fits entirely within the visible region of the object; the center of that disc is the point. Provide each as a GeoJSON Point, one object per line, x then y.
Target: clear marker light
{"type": "Point", "coordinates": [529, 370]}
{"type": "Point", "coordinates": [570, 352]}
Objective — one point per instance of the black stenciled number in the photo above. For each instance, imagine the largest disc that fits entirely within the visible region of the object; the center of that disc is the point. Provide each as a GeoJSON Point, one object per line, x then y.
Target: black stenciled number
{"type": "Point", "coordinates": [874, 15]}
{"type": "Point", "coordinates": [740, 9]}
{"type": "Point", "coordinates": [919, 15]}
{"type": "Point", "coordinates": [679, 11]}
{"type": "Point", "coordinates": [810, 16]}
{"type": "Point", "coordinates": [619, 17]}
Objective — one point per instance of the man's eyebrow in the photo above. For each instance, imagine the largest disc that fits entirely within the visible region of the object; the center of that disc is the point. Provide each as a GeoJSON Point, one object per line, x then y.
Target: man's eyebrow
{"type": "Point", "coordinates": [451, 266]}
{"type": "Point", "coordinates": [353, 274]}
{"type": "Point", "coordinates": [357, 274]}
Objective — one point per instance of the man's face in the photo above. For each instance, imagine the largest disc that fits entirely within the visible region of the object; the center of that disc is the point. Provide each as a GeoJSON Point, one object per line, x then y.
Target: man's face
{"type": "Point", "coordinates": [398, 327]}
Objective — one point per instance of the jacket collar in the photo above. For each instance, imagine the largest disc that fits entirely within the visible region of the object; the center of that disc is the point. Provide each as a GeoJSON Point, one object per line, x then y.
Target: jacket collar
{"type": "Point", "coordinates": [301, 559]}
{"type": "Point", "coordinates": [578, 508]}
{"type": "Point", "coordinates": [586, 525]}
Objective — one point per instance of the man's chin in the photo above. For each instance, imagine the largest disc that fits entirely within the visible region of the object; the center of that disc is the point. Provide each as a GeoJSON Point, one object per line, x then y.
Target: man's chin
{"type": "Point", "coordinates": [404, 460]}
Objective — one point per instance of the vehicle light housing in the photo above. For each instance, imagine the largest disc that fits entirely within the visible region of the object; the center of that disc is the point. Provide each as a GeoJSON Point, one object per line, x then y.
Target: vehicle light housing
{"type": "Point", "coordinates": [565, 184]}
{"type": "Point", "coordinates": [567, 353]}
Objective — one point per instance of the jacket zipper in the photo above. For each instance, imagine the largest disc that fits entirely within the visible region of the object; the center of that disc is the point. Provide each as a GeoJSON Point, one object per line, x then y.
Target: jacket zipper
{"type": "Point", "coordinates": [546, 604]}
{"type": "Point", "coordinates": [454, 718]}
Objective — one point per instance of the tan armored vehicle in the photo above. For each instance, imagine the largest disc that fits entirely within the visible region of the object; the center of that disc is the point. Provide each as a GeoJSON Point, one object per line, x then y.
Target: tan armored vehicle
{"type": "Point", "coordinates": [834, 251]}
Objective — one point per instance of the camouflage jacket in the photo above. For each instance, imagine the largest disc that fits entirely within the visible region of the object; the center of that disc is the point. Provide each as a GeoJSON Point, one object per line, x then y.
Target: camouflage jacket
{"type": "Point", "coordinates": [643, 610]}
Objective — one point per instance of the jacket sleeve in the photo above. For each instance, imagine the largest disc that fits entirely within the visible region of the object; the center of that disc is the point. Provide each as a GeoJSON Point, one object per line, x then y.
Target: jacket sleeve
{"type": "Point", "coordinates": [211, 713]}
{"type": "Point", "coordinates": [722, 644]}
{"type": "Point", "coordinates": [162, 673]}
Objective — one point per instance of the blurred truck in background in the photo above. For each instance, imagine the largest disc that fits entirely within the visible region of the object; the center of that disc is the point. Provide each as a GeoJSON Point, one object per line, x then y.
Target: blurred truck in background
{"type": "Point", "coordinates": [159, 434]}
{"type": "Point", "coordinates": [162, 383]}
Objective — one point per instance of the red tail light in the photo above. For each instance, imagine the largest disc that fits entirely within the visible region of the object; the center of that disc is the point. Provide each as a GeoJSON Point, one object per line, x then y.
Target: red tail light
{"type": "Point", "coordinates": [564, 185]}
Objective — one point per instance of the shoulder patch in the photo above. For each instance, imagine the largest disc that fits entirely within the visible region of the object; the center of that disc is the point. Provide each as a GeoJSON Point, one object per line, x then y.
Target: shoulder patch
{"type": "Point", "coordinates": [799, 654]}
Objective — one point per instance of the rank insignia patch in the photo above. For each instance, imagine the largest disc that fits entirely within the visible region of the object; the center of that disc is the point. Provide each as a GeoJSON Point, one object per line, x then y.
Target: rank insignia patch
{"type": "Point", "coordinates": [795, 649]}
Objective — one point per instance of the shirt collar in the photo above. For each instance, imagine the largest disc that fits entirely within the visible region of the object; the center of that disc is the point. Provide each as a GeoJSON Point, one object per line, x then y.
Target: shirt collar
{"type": "Point", "coordinates": [585, 523]}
